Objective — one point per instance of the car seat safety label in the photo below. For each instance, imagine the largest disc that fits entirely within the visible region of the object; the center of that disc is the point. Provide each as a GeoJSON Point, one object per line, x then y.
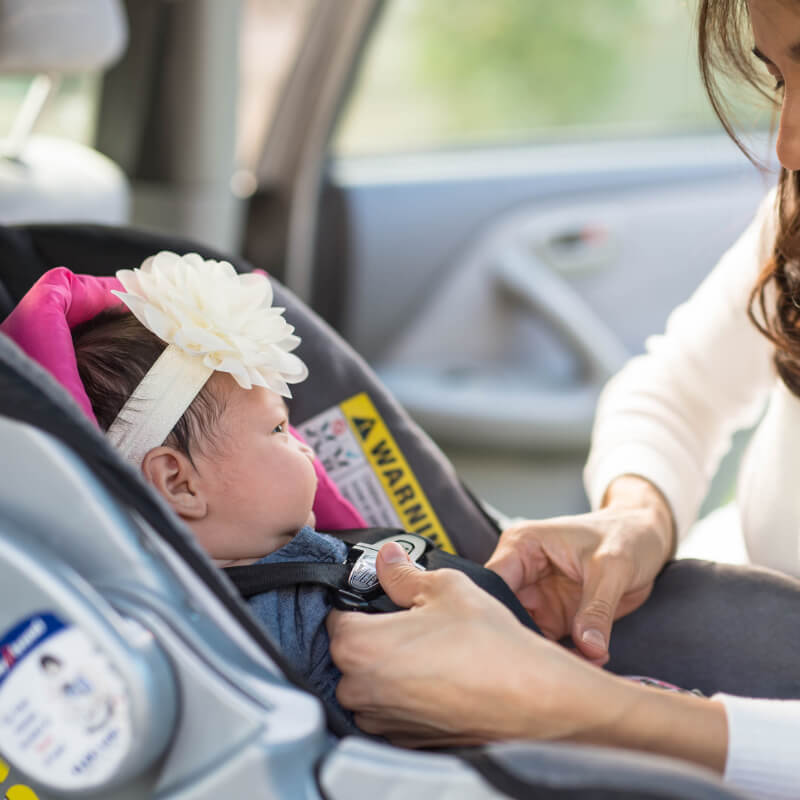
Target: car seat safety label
{"type": "Point", "coordinates": [64, 711]}
{"type": "Point", "coordinates": [362, 457]}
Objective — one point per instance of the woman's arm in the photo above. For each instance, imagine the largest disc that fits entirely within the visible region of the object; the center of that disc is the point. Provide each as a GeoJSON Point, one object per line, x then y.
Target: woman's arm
{"type": "Point", "coordinates": [668, 415]}
{"type": "Point", "coordinates": [458, 668]}
{"type": "Point", "coordinates": [662, 425]}
{"type": "Point", "coordinates": [636, 493]}
{"type": "Point", "coordinates": [668, 723]}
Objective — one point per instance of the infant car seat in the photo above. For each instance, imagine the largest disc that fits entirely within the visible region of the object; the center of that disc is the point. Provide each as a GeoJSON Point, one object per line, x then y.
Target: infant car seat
{"type": "Point", "coordinates": [131, 668]}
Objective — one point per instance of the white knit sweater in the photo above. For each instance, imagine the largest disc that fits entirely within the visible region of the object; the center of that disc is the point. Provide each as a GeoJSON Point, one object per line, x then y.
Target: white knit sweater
{"type": "Point", "coordinates": [669, 415]}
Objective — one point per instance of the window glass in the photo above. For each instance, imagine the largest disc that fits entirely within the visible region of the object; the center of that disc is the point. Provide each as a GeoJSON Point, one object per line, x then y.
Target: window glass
{"type": "Point", "coordinates": [270, 34]}
{"type": "Point", "coordinates": [71, 111]}
{"type": "Point", "coordinates": [470, 72]}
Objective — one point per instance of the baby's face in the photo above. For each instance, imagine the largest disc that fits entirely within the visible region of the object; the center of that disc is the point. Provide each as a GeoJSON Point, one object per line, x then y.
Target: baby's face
{"type": "Point", "coordinates": [258, 480]}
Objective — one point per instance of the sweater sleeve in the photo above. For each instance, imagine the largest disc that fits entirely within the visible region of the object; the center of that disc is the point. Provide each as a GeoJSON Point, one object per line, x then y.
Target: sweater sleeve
{"type": "Point", "coordinates": [763, 746]}
{"type": "Point", "coordinates": [668, 415]}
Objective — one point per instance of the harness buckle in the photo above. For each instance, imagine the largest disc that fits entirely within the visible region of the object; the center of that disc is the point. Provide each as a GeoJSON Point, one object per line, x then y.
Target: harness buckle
{"type": "Point", "coordinates": [363, 578]}
{"type": "Point", "coordinates": [363, 574]}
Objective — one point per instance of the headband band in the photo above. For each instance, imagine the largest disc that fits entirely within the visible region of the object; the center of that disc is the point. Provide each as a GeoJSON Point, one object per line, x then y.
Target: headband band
{"type": "Point", "coordinates": [164, 394]}
{"type": "Point", "coordinates": [213, 320]}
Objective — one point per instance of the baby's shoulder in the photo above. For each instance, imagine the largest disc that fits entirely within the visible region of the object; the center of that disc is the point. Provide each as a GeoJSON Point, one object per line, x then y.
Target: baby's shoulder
{"type": "Point", "coordinates": [310, 545]}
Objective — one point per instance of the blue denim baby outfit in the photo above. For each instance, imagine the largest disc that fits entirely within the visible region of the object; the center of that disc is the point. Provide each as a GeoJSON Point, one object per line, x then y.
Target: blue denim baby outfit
{"type": "Point", "coordinates": [295, 616]}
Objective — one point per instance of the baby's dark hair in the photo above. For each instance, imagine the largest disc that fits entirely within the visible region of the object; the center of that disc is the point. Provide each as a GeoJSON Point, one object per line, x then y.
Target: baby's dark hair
{"type": "Point", "coordinates": [114, 352]}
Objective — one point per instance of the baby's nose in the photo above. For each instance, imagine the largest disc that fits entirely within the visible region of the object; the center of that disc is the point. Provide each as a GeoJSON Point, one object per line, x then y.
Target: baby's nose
{"type": "Point", "coordinates": [307, 450]}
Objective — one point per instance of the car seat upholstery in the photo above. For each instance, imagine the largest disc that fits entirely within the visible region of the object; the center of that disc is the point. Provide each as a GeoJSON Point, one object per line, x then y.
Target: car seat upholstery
{"type": "Point", "coordinates": [213, 709]}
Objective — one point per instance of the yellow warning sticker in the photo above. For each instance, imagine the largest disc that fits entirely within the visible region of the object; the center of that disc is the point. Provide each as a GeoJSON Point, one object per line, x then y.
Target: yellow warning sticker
{"type": "Point", "coordinates": [362, 457]}
{"type": "Point", "coordinates": [388, 463]}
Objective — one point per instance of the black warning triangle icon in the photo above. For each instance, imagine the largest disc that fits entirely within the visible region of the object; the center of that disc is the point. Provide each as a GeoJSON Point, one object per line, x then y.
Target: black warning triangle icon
{"type": "Point", "coordinates": [364, 426]}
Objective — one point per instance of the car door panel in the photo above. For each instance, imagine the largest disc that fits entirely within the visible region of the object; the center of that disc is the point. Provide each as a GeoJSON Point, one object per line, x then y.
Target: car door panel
{"type": "Point", "coordinates": [496, 295]}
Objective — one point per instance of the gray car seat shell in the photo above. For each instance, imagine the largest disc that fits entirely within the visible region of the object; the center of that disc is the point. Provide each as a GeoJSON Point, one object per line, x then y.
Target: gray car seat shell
{"type": "Point", "coordinates": [240, 729]}
{"type": "Point", "coordinates": [35, 578]}
{"type": "Point", "coordinates": [222, 697]}
{"type": "Point", "coordinates": [236, 721]}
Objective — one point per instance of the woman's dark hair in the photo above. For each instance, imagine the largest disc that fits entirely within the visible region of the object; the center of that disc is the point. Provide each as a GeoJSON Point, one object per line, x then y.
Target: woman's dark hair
{"type": "Point", "coordinates": [724, 47]}
{"type": "Point", "coordinates": [114, 352]}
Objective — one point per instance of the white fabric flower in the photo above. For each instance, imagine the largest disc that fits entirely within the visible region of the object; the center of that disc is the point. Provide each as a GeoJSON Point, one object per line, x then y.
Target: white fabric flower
{"type": "Point", "coordinates": [206, 309]}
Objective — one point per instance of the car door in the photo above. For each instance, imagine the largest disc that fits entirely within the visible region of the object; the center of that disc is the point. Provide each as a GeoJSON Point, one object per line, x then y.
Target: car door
{"type": "Point", "coordinates": [497, 205]}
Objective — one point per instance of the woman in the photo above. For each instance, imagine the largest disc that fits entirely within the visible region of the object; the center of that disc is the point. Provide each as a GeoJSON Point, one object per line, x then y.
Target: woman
{"type": "Point", "coordinates": [662, 425]}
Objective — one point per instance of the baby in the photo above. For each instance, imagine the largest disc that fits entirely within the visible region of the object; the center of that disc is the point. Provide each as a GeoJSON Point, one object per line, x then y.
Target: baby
{"type": "Point", "coordinates": [188, 388]}
{"type": "Point", "coordinates": [224, 459]}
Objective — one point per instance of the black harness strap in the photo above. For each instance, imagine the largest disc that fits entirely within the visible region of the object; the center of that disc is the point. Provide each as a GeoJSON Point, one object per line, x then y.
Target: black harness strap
{"type": "Point", "coordinates": [254, 579]}
{"type": "Point", "coordinates": [258, 578]}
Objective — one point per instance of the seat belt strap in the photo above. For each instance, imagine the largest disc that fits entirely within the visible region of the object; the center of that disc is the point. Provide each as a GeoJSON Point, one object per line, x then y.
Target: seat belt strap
{"type": "Point", "coordinates": [354, 584]}
{"type": "Point", "coordinates": [254, 579]}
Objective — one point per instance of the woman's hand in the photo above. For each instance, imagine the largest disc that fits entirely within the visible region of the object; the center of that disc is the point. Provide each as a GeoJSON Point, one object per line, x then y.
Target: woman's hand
{"type": "Point", "coordinates": [458, 668]}
{"type": "Point", "coordinates": [578, 574]}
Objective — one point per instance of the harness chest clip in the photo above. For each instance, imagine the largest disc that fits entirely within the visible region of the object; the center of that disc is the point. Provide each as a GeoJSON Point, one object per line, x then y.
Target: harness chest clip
{"type": "Point", "coordinates": [363, 585]}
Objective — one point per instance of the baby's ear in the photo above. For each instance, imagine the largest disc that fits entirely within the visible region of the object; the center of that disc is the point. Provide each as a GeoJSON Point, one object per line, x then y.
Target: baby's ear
{"type": "Point", "coordinates": [176, 480]}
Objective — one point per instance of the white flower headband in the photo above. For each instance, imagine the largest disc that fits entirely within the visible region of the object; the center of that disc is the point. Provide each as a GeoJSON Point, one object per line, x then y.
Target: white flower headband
{"type": "Point", "coordinates": [213, 320]}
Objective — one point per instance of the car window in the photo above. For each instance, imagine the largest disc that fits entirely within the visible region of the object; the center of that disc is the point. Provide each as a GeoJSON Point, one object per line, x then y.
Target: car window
{"type": "Point", "coordinates": [468, 72]}
{"type": "Point", "coordinates": [70, 112]}
{"type": "Point", "coordinates": [270, 34]}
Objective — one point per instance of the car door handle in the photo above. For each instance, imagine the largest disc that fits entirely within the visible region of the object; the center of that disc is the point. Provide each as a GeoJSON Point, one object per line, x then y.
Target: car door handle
{"type": "Point", "coordinates": [580, 248]}
{"type": "Point", "coordinates": [548, 296]}
{"type": "Point", "coordinates": [472, 405]}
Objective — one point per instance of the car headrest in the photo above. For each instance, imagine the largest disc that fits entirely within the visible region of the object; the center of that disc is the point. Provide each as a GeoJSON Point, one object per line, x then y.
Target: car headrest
{"type": "Point", "coordinates": [60, 35]}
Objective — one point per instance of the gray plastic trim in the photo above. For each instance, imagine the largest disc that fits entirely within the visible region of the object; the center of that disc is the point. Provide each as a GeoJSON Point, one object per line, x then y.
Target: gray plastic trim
{"type": "Point", "coordinates": [33, 581]}
{"type": "Point", "coordinates": [363, 770]}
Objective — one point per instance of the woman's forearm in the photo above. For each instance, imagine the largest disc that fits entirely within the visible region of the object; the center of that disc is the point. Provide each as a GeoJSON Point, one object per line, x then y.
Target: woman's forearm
{"type": "Point", "coordinates": [670, 724]}
{"type": "Point", "coordinates": [610, 711]}
{"type": "Point", "coordinates": [606, 710]}
{"type": "Point", "coordinates": [596, 707]}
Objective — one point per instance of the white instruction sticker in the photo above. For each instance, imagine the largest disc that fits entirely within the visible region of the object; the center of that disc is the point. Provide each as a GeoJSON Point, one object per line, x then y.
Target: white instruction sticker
{"type": "Point", "coordinates": [344, 460]}
{"type": "Point", "coordinates": [361, 455]}
{"type": "Point", "coordinates": [64, 711]}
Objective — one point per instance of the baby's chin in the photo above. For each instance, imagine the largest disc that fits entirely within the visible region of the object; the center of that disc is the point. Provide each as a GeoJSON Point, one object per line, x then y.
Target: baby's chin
{"type": "Point", "coordinates": [312, 520]}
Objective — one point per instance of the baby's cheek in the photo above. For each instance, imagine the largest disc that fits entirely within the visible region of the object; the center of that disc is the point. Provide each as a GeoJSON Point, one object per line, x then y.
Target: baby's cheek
{"type": "Point", "coordinates": [238, 479]}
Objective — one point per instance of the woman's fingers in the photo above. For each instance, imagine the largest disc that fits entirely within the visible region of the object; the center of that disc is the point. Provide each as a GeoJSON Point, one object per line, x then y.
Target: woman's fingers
{"type": "Point", "coordinates": [400, 579]}
{"type": "Point", "coordinates": [506, 562]}
{"type": "Point", "coordinates": [576, 575]}
{"type": "Point", "coordinates": [605, 582]}
{"type": "Point", "coordinates": [519, 558]}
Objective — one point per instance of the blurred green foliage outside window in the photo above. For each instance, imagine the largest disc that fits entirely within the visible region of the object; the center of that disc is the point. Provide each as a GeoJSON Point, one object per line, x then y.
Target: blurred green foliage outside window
{"type": "Point", "coordinates": [70, 112]}
{"type": "Point", "coordinates": [487, 72]}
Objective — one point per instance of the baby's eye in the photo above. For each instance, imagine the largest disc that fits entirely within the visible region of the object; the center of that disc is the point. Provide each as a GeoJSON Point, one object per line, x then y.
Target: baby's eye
{"type": "Point", "coordinates": [280, 428]}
